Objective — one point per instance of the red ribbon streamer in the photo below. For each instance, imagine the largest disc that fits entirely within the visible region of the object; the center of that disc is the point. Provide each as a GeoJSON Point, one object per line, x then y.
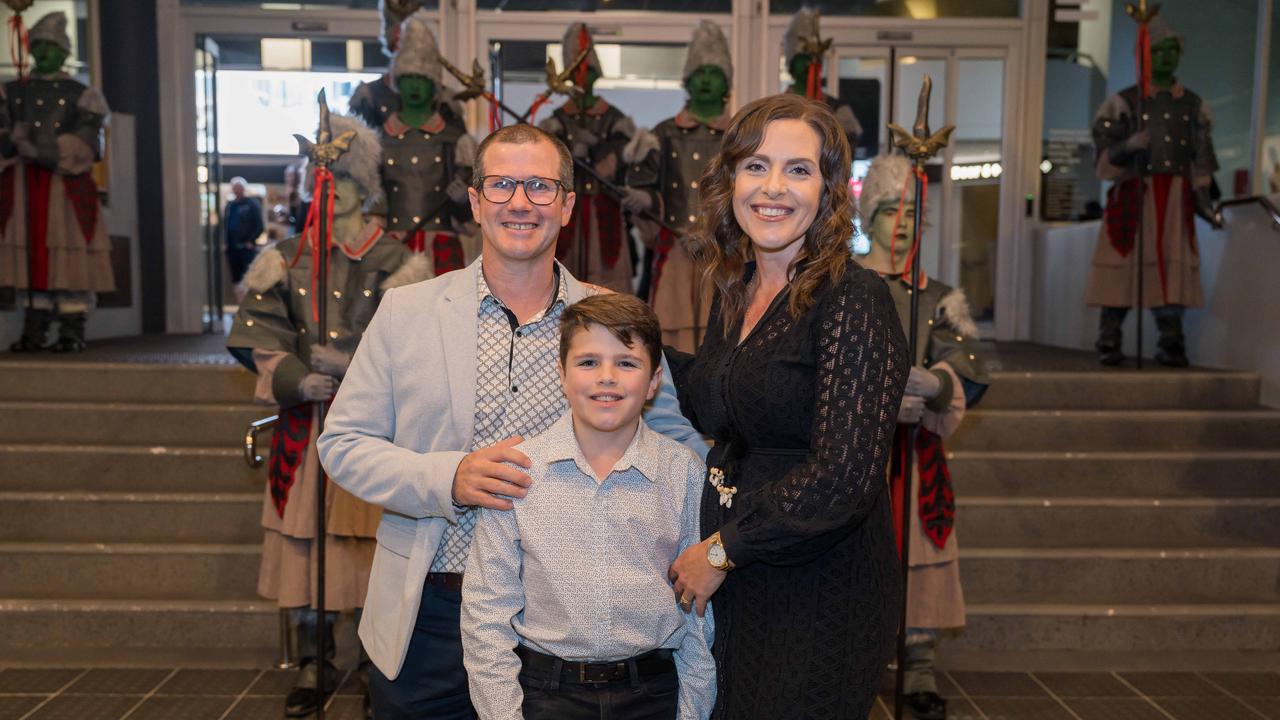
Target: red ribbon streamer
{"type": "Point", "coordinates": [584, 43]}
{"type": "Point", "coordinates": [311, 229]}
{"type": "Point", "coordinates": [1144, 60]}
{"type": "Point", "coordinates": [537, 105]}
{"type": "Point", "coordinates": [19, 45]}
{"type": "Point", "coordinates": [813, 85]}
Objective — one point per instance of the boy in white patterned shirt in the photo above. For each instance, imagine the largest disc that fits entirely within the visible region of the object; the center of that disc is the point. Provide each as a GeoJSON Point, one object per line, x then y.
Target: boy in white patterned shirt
{"type": "Point", "coordinates": [567, 611]}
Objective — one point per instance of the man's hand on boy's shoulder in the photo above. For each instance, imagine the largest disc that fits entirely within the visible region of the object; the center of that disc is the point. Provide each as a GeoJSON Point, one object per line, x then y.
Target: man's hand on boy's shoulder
{"type": "Point", "coordinates": [485, 479]}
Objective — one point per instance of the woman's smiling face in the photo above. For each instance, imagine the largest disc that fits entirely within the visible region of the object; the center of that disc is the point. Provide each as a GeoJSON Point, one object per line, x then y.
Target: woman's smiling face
{"type": "Point", "coordinates": [777, 189]}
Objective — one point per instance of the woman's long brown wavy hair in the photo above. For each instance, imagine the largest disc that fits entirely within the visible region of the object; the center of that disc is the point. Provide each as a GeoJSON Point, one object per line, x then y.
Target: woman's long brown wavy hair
{"type": "Point", "coordinates": [722, 249]}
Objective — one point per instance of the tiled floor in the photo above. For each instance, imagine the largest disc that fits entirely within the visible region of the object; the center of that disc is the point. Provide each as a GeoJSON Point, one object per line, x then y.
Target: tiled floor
{"type": "Point", "coordinates": [148, 694]}
{"type": "Point", "coordinates": [143, 694]}
{"type": "Point", "coordinates": [1106, 696]}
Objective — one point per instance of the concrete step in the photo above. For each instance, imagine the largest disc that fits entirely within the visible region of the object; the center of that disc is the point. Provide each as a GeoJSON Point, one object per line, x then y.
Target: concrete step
{"type": "Point", "coordinates": [128, 469]}
{"type": "Point", "coordinates": [1122, 576]}
{"type": "Point", "coordinates": [1147, 390]}
{"type": "Point", "coordinates": [130, 517]}
{"type": "Point", "coordinates": [1083, 522]}
{"type": "Point", "coordinates": [129, 571]}
{"type": "Point", "coordinates": [1106, 430]}
{"type": "Point", "coordinates": [1168, 628]}
{"type": "Point", "coordinates": [149, 425]}
{"type": "Point", "coordinates": [36, 381]}
{"type": "Point", "coordinates": [45, 625]}
{"type": "Point", "coordinates": [1053, 473]}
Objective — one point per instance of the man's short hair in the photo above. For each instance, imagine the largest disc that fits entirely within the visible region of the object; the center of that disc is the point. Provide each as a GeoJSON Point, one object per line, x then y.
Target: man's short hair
{"type": "Point", "coordinates": [521, 135]}
{"type": "Point", "coordinates": [627, 317]}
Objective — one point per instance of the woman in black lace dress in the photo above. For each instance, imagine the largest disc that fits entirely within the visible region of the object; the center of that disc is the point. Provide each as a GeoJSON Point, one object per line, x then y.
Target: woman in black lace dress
{"type": "Point", "coordinates": [799, 381]}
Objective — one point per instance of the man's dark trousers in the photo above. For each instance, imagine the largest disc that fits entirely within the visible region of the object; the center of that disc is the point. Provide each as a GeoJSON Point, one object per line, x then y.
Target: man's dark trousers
{"type": "Point", "coordinates": [549, 696]}
{"type": "Point", "coordinates": [432, 682]}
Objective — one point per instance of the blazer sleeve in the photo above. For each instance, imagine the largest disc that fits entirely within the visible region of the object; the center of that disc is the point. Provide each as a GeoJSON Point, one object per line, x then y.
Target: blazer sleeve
{"type": "Point", "coordinates": [357, 447]}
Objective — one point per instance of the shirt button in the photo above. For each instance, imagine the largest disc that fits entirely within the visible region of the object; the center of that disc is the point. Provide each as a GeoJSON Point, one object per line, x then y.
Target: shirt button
{"type": "Point", "coordinates": [519, 334]}
{"type": "Point", "coordinates": [515, 389]}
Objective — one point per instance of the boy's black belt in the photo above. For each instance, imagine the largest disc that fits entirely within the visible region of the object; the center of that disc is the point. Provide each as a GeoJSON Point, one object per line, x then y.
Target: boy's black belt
{"type": "Point", "coordinates": [654, 662]}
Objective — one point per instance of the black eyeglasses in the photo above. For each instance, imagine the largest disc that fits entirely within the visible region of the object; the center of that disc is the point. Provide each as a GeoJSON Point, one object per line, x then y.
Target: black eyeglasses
{"type": "Point", "coordinates": [539, 190]}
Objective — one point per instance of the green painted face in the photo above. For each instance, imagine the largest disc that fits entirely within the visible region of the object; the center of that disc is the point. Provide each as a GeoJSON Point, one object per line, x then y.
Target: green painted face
{"type": "Point", "coordinates": [885, 236]}
{"type": "Point", "coordinates": [416, 92]}
{"type": "Point", "coordinates": [49, 56]}
{"type": "Point", "coordinates": [1164, 60]}
{"type": "Point", "coordinates": [799, 68]}
{"type": "Point", "coordinates": [707, 84]}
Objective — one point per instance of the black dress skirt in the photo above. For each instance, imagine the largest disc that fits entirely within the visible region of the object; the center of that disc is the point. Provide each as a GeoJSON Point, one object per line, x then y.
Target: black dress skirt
{"type": "Point", "coordinates": [803, 413]}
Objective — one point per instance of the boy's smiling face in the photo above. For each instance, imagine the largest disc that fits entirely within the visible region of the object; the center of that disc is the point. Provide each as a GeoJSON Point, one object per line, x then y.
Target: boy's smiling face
{"type": "Point", "coordinates": [606, 382]}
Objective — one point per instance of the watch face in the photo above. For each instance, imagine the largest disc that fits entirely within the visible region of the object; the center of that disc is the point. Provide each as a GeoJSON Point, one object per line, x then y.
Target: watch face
{"type": "Point", "coordinates": [716, 556]}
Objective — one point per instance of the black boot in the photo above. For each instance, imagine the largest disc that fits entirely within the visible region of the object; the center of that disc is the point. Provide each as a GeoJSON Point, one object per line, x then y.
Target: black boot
{"type": "Point", "coordinates": [927, 706]}
{"type": "Point", "coordinates": [1172, 347]}
{"type": "Point", "coordinates": [70, 333]}
{"type": "Point", "coordinates": [919, 683]}
{"type": "Point", "coordinates": [35, 326]}
{"type": "Point", "coordinates": [1109, 335]}
{"type": "Point", "coordinates": [305, 697]}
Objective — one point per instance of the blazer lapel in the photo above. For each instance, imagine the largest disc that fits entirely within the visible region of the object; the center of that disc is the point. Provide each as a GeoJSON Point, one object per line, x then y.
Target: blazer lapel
{"type": "Point", "coordinates": [458, 337]}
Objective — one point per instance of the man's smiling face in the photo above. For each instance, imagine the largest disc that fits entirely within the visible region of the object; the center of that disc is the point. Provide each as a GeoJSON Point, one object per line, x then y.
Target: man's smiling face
{"type": "Point", "coordinates": [519, 230]}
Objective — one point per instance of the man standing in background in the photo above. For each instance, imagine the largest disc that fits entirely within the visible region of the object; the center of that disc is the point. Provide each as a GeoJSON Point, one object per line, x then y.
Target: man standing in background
{"type": "Point", "coordinates": [242, 220]}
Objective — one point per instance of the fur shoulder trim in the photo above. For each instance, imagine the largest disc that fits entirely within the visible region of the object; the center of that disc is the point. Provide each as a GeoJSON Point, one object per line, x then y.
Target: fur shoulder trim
{"type": "Point", "coordinates": [551, 124]}
{"type": "Point", "coordinates": [625, 127]}
{"type": "Point", "coordinates": [415, 269]}
{"type": "Point", "coordinates": [464, 152]}
{"type": "Point", "coordinates": [954, 308]}
{"type": "Point", "coordinates": [92, 101]}
{"type": "Point", "coordinates": [267, 269]}
{"type": "Point", "coordinates": [640, 145]}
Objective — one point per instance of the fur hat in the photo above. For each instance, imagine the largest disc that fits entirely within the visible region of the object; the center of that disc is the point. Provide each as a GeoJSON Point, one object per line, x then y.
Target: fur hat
{"type": "Point", "coordinates": [883, 183]}
{"type": "Point", "coordinates": [418, 53]}
{"type": "Point", "coordinates": [393, 13]}
{"type": "Point", "coordinates": [569, 48]}
{"type": "Point", "coordinates": [708, 47]}
{"type": "Point", "coordinates": [803, 29]}
{"type": "Point", "coordinates": [361, 162]}
{"type": "Point", "coordinates": [51, 28]}
{"type": "Point", "coordinates": [1161, 30]}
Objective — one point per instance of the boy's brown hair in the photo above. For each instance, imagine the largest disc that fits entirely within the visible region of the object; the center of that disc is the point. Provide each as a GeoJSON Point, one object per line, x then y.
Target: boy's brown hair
{"type": "Point", "coordinates": [625, 316]}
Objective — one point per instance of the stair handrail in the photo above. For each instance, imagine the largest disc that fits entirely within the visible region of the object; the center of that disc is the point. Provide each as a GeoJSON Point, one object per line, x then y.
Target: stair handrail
{"type": "Point", "coordinates": [251, 455]}
{"type": "Point", "coordinates": [1262, 200]}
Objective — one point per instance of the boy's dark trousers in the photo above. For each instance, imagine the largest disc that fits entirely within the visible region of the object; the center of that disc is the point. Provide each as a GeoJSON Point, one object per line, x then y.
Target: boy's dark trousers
{"type": "Point", "coordinates": [645, 687]}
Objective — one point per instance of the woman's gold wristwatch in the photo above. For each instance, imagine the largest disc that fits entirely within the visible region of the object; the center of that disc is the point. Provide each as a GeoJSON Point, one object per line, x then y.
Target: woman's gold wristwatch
{"type": "Point", "coordinates": [716, 555]}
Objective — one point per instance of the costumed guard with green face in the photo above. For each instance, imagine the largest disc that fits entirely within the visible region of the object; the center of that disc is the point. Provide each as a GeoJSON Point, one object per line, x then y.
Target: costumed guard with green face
{"type": "Point", "coordinates": [1162, 168]}
{"type": "Point", "coordinates": [665, 166]}
{"type": "Point", "coordinates": [276, 335]}
{"type": "Point", "coordinates": [53, 232]}
{"type": "Point", "coordinates": [595, 245]}
{"type": "Point", "coordinates": [947, 377]}
{"type": "Point", "coordinates": [427, 154]}
{"type": "Point", "coordinates": [375, 100]}
{"type": "Point", "coordinates": [804, 48]}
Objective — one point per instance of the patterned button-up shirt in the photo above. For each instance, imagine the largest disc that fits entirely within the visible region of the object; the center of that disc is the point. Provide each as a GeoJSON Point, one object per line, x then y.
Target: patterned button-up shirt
{"type": "Point", "coordinates": [578, 569]}
{"type": "Point", "coordinates": [517, 391]}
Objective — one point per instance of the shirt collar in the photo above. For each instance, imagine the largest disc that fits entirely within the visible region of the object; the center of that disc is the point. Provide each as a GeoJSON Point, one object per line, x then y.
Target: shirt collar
{"type": "Point", "coordinates": [395, 126]}
{"type": "Point", "coordinates": [687, 120]}
{"type": "Point", "coordinates": [642, 454]}
{"type": "Point", "coordinates": [561, 295]}
{"type": "Point", "coordinates": [599, 108]}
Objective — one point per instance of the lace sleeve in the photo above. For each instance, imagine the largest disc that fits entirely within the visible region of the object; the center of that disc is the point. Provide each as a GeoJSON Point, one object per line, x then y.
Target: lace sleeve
{"type": "Point", "coordinates": [862, 369]}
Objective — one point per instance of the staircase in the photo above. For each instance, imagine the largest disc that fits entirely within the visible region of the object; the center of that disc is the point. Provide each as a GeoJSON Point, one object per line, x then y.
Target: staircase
{"type": "Point", "coordinates": [128, 518]}
{"type": "Point", "coordinates": [1099, 512]}
{"type": "Point", "coordinates": [1107, 512]}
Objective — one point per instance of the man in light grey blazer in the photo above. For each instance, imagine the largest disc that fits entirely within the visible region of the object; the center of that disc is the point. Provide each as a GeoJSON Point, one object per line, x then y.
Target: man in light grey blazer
{"type": "Point", "coordinates": [452, 373]}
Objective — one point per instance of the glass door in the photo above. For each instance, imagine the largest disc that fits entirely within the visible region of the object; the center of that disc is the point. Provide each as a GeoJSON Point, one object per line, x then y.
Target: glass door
{"type": "Point", "coordinates": [208, 181]}
{"type": "Point", "coordinates": [881, 83]}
